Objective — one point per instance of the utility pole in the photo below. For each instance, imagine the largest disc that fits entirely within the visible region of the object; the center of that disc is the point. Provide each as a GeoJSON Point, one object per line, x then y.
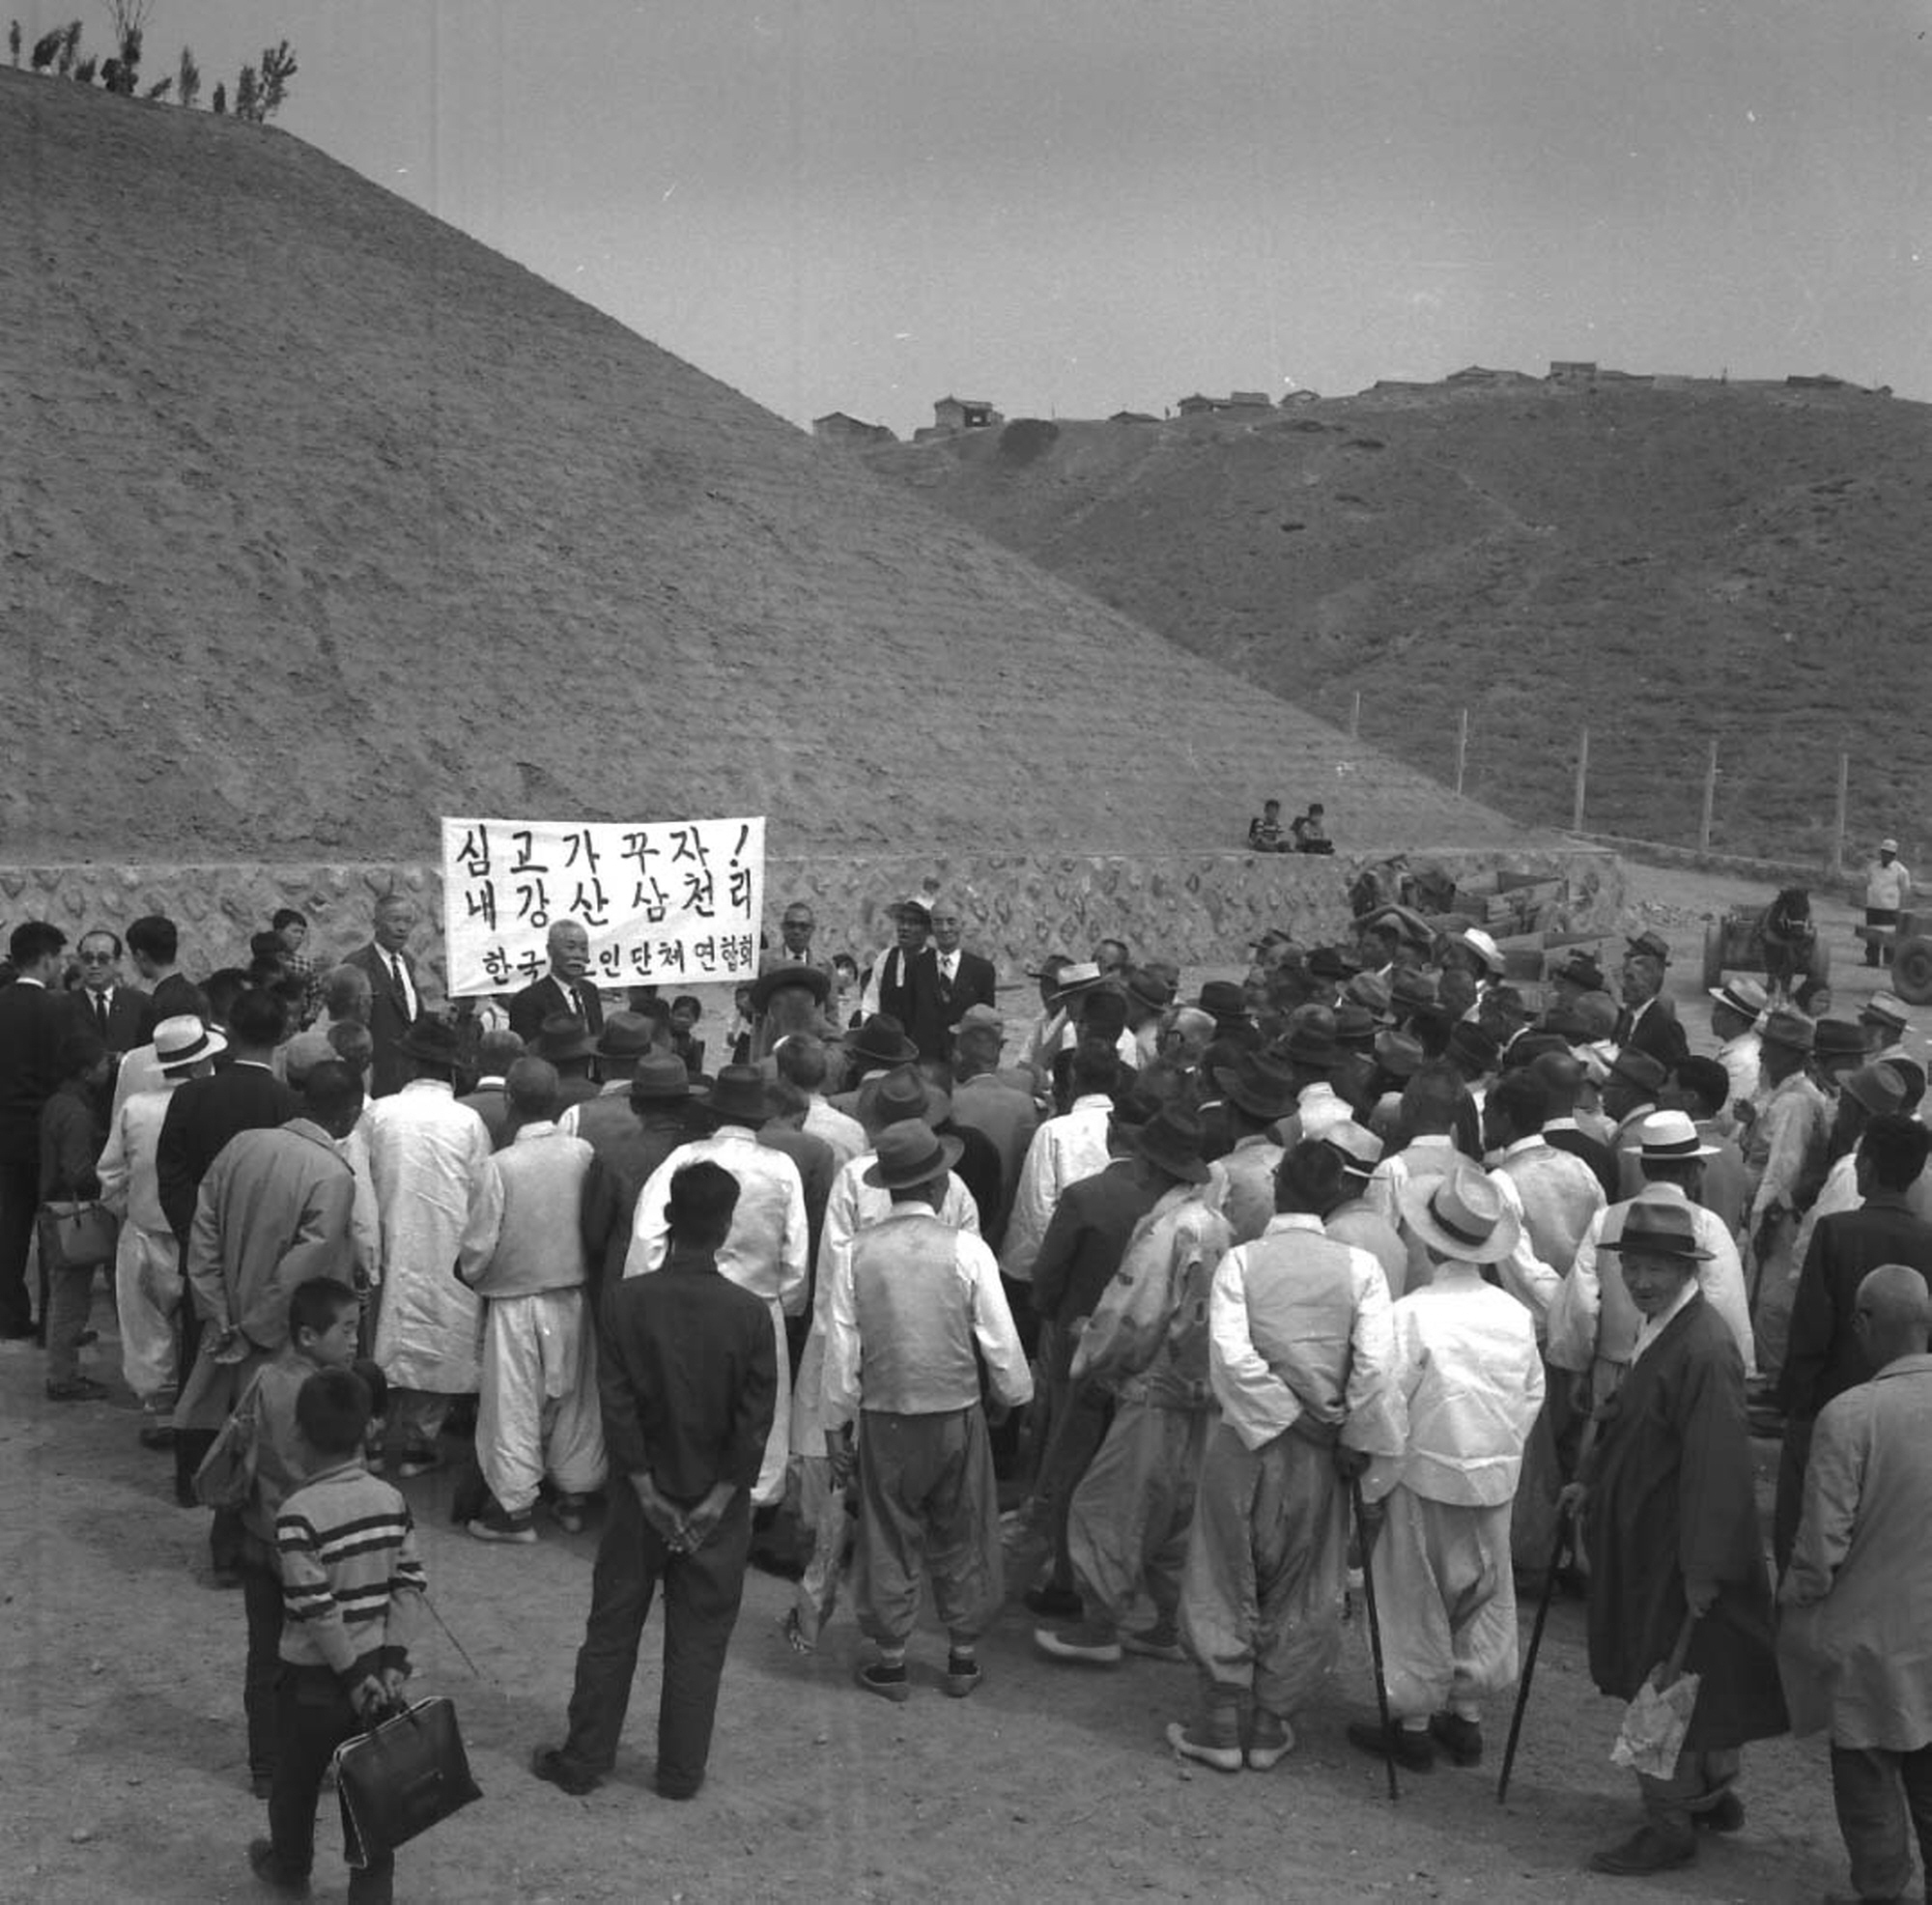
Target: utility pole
{"type": "Point", "coordinates": [1582, 776]}
{"type": "Point", "coordinates": [1710, 799]}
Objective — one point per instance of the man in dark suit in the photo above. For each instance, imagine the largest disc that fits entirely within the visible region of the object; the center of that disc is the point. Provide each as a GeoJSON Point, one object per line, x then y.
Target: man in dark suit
{"type": "Point", "coordinates": [561, 992]}
{"type": "Point", "coordinates": [794, 948]}
{"type": "Point", "coordinates": [1648, 1021]}
{"type": "Point", "coordinates": [394, 1002]}
{"type": "Point", "coordinates": [965, 979]}
{"type": "Point", "coordinates": [121, 1016]}
{"type": "Point", "coordinates": [31, 1020]}
{"type": "Point", "coordinates": [906, 982]}
{"type": "Point", "coordinates": [202, 1116]}
{"type": "Point", "coordinates": [154, 944]}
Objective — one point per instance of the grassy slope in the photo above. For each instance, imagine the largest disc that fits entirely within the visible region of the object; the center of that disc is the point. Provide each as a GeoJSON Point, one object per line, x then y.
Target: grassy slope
{"type": "Point", "coordinates": [1667, 565]}
{"type": "Point", "coordinates": [319, 519]}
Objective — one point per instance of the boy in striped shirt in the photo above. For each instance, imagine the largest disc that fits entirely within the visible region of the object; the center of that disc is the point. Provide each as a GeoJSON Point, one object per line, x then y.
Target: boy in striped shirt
{"type": "Point", "coordinates": [352, 1595]}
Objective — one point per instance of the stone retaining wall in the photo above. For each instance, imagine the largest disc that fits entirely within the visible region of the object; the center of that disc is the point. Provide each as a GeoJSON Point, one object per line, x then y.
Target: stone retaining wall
{"type": "Point", "coordinates": [1197, 909]}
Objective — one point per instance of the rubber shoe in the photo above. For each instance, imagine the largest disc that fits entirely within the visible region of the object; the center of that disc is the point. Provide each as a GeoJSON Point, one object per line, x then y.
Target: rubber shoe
{"type": "Point", "coordinates": [1412, 1752]}
{"type": "Point", "coordinates": [76, 1389]}
{"type": "Point", "coordinates": [962, 1676]}
{"type": "Point", "coordinates": [1159, 1643]}
{"type": "Point", "coordinates": [262, 1862]}
{"type": "Point", "coordinates": [1082, 1644]}
{"type": "Point", "coordinates": [1726, 1816]}
{"type": "Point", "coordinates": [1460, 1739]}
{"type": "Point", "coordinates": [1211, 1749]}
{"type": "Point", "coordinates": [1053, 1604]}
{"type": "Point", "coordinates": [889, 1683]}
{"type": "Point", "coordinates": [1649, 1849]}
{"type": "Point", "coordinates": [549, 1766]}
{"type": "Point", "coordinates": [1270, 1740]}
{"type": "Point", "coordinates": [492, 1525]}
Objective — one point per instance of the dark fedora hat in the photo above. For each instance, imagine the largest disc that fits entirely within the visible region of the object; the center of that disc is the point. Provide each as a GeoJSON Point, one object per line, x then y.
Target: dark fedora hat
{"type": "Point", "coordinates": [1309, 1045]}
{"type": "Point", "coordinates": [1330, 962]}
{"type": "Point", "coordinates": [1171, 1140]}
{"type": "Point", "coordinates": [1469, 1044]}
{"type": "Point", "coordinates": [563, 1036]}
{"type": "Point", "coordinates": [1223, 998]}
{"type": "Point", "coordinates": [911, 1153]}
{"type": "Point", "coordinates": [1638, 1069]}
{"type": "Point", "coordinates": [880, 1040]}
{"type": "Point", "coordinates": [891, 1097]}
{"type": "Point", "coordinates": [664, 1078]}
{"type": "Point", "coordinates": [1260, 1085]}
{"type": "Point", "coordinates": [1837, 1039]}
{"type": "Point", "coordinates": [738, 1095]}
{"type": "Point", "coordinates": [1580, 967]}
{"type": "Point", "coordinates": [1356, 1025]}
{"type": "Point", "coordinates": [1650, 944]}
{"type": "Point", "coordinates": [1657, 1226]}
{"type": "Point", "coordinates": [1399, 1054]}
{"type": "Point", "coordinates": [433, 1040]}
{"type": "Point", "coordinates": [1411, 990]}
{"type": "Point", "coordinates": [1146, 988]}
{"type": "Point", "coordinates": [626, 1034]}
{"type": "Point", "coordinates": [813, 978]}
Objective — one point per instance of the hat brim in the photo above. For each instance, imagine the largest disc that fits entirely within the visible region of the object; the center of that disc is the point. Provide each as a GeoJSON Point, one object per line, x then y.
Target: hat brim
{"type": "Point", "coordinates": [950, 1151]}
{"type": "Point", "coordinates": [1177, 1164]}
{"type": "Point", "coordinates": [814, 979]}
{"type": "Point", "coordinates": [1651, 1246]}
{"type": "Point", "coordinates": [1646, 1157]}
{"type": "Point", "coordinates": [907, 1053]}
{"type": "Point", "coordinates": [692, 1089]}
{"type": "Point", "coordinates": [1417, 1215]}
{"type": "Point", "coordinates": [1233, 1088]}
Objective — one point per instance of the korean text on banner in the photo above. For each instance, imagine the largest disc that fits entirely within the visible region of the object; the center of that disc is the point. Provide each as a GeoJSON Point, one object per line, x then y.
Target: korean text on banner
{"type": "Point", "coordinates": [673, 903]}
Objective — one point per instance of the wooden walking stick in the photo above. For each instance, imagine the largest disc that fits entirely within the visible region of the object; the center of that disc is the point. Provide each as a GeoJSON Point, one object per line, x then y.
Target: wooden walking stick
{"type": "Point", "coordinates": [1375, 1636]}
{"type": "Point", "coordinates": [1529, 1658]}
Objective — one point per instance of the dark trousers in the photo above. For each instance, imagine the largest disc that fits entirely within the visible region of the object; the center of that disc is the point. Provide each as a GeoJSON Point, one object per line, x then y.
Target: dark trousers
{"type": "Point", "coordinates": [1788, 1504]}
{"type": "Point", "coordinates": [1082, 1414]}
{"type": "Point", "coordinates": [1874, 1792]}
{"type": "Point", "coordinates": [313, 1717]}
{"type": "Point", "coordinates": [20, 1199]}
{"type": "Point", "coordinates": [701, 1593]}
{"type": "Point", "coordinates": [262, 1602]}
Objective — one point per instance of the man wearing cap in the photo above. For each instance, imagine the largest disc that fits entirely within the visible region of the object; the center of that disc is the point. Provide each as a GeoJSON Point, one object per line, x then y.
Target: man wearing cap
{"type": "Point", "coordinates": [1066, 1148]}
{"type": "Point", "coordinates": [1852, 1646]}
{"type": "Point", "coordinates": [523, 1253]}
{"type": "Point", "coordinates": [1299, 1350]}
{"type": "Point", "coordinates": [1148, 1339]}
{"type": "Point", "coordinates": [1736, 1007]}
{"type": "Point", "coordinates": [425, 1152]}
{"type": "Point", "coordinates": [993, 1105]}
{"type": "Point", "coordinates": [1784, 1155]}
{"type": "Point", "coordinates": [904, 984]}
{"type": "Point", "coordinates": [1258, 1091]}
{"type": "Point", "coordinates": [1355, 1219]}
{"type": "Point", "coordinates": [854, 1204]}
{"type": "Point", "coordinates": [1670, 1521]}
{"type": "Point", "coordinates": [1886, 1023]}
{"type": "Point", "coordinates": [906, 1313]}
{"type": "Point", "coordinates": [563, 991]}
{"type": "Point", "coordinates": [147, 1259]}
{"type": "Point", "coordinates": [767, 1249]}
{"type": "Point", "coordinates": [1824, 1358]}
{"type": "Point", "coordinates": [1648, 1022]}
{"type": "Point", "coordinates": [658, 1100]}
{"type": "Point", "coordinates": [1888, 887]}
{"type": "Point", "coordinates": [1593, 1324]}
{"type": "Point", "coordinates": [1470, 1387]}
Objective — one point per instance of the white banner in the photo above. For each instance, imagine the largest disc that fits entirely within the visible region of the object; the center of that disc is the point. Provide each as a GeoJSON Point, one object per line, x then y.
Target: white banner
{"type": "Point", "coordinates": [674, 902]}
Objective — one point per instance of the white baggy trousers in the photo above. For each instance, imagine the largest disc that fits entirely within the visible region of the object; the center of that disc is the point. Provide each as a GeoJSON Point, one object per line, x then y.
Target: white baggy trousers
{"type": "Point", "coordinates": [538, 1412]}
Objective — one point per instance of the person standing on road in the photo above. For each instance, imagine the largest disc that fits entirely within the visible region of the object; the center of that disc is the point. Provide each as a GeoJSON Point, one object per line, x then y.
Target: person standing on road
{"type": "Point", "coordinates": [1888, 887]}
{"type": "Point", "coordinates": [689, 1382]}
{"type": "Point", "coordinates": [1855, 1638]}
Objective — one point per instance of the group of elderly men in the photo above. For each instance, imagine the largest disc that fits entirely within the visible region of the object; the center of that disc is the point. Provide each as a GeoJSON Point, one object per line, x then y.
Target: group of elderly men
{"type": "Point", "coordinates": [1362, 1249]}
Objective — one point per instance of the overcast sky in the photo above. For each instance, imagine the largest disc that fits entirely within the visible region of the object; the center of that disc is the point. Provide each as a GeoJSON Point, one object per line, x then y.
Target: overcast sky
{"type": "Point", "coordinates": [1068, 207]}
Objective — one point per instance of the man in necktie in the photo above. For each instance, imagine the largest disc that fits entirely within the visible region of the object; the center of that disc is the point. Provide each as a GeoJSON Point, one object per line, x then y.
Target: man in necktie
{"type": "Point", "coordinates": [965, 979]}
{"type": "Point", "coordinates": [796, 927]}
{"type": "Point", "coordinates": [562, 991]}
{"type": "Point", "coordinates": [395, 1000]}
{"type": "Point", "coordinates": [117, 1014]}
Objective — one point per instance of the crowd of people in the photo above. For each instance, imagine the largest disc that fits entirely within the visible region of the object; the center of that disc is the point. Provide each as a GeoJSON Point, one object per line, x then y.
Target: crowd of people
{"type": "Point", "coordinates": [1374, 1262]}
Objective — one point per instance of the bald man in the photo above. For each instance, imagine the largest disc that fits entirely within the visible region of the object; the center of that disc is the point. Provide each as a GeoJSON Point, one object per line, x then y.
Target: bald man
{"type": "Point", "coordinates": [1855, 1645]}
{"type": "Point", "coordinates": [565, 988]}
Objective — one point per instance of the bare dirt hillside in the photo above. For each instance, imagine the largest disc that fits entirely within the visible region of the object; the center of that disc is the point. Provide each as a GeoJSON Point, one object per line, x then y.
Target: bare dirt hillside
{"type": "Point", "coordinates": [1664, 565]}
{"type": "Point", "coordinates": [319, 519]}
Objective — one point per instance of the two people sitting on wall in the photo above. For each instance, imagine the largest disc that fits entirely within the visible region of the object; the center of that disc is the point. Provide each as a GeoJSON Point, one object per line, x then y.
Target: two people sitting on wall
{"type": "Point", "coordinates": [1307, 832]}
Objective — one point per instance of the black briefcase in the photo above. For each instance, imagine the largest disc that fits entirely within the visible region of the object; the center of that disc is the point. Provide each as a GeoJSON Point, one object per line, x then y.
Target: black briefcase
{"type": "Point", "coordinates": [399, 1779]}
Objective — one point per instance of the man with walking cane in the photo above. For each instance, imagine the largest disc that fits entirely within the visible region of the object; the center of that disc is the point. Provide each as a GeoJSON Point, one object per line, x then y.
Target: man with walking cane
{"type": "Point", "coordinates": [1470, 1382]}
{"type": "Point", "coordinates": [1298, 1360]}
{"type": "Point", "coordinates": [1670, 1521]}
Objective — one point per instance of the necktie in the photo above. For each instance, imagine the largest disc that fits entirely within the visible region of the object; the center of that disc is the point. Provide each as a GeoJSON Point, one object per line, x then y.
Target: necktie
{"type": "Point", "coordinates": [402, 985]}
{"type": "Point", "coordinates": [100, 1013]}
{"type": "Point", "coordinates": [572, 1003]}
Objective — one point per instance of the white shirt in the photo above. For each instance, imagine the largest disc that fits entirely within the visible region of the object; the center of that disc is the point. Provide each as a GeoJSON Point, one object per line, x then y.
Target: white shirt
{"type": "Point", "coordinates": [1886, 888]}
{"type": "Point", "coordinates": [1064, 1150]}
{"type": "Point", "coordinates": [766, 1250]}
{"type": "Point", "coordinates": [1739, 1057]}
{"type": "Point", "coordinates": [1653, 1327]}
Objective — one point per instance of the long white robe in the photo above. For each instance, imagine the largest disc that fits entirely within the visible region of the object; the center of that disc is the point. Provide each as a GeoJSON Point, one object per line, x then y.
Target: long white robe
{"type": "Point", "coordinates": [425, 1150]}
